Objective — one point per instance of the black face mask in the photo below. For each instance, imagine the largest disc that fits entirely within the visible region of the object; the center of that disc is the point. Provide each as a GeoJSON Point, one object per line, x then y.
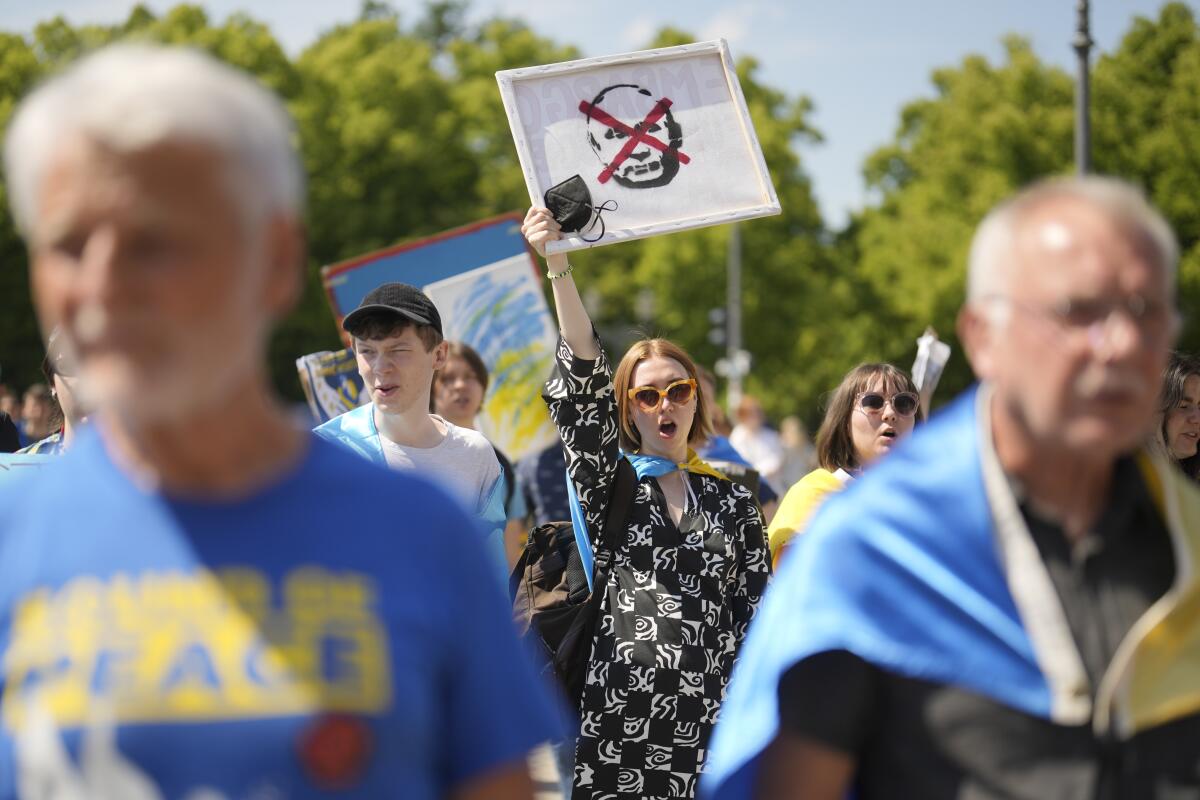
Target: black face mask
{"type": "Point", "coordinates": [571, 204]}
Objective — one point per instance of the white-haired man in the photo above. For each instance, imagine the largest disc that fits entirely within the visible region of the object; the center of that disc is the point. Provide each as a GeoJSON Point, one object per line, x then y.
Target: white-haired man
{"type": "Point", "coordinates": [1006, 608]}
{"type": "Point", "coordinates": [200, 599]}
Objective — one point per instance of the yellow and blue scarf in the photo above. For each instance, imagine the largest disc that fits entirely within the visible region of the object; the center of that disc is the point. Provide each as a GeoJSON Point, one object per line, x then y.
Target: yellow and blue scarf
{"type": "Point", "coordinates": [644, 466]}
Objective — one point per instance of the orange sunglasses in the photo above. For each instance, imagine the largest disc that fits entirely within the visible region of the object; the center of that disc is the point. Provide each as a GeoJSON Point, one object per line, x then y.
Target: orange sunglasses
{"type": "Point", "coordinates": [649, 398]}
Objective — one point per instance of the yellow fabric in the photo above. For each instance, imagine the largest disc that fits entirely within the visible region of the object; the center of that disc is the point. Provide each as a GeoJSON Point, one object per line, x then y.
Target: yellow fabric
{"type": "Point", "coordinates": [701, 467]}
{"type": "Point", "coordinates": [798, 506]}
{"type": "Point", "coordinates": [1158, 679]}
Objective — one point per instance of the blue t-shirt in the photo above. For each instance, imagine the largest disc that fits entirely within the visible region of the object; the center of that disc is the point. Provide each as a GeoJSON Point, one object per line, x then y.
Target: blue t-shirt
{"type": "Point", "coordinates": [337, 630]}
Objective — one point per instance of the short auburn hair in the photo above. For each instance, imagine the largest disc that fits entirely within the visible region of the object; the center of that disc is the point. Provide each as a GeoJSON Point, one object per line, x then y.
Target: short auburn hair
{"type": "Point", "coordinates": [381, 325]}
{"type": "Point", "coordinates": [631, 440]}
{"type": "Point", "coordinates": [835, 442]}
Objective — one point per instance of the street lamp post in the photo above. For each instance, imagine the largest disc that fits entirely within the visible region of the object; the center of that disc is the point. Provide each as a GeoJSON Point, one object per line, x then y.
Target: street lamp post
{"type": "Point", "coordinates": [733, 317]}
{"type": "Point", "coordinates": [728, 321]}
{"type": "Point", "coordinates": [1083, 128]}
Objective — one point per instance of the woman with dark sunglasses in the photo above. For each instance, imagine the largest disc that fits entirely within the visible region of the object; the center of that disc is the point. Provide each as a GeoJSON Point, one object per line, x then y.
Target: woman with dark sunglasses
{"type": "Point", "coordinates": [686, 577]}
{"type": "Point", "coordinates": [874, 407]}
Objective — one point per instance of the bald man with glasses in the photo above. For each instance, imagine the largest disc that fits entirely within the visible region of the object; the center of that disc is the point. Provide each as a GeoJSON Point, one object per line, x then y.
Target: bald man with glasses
{"type": "Point", "coordinates": [1002, 608]}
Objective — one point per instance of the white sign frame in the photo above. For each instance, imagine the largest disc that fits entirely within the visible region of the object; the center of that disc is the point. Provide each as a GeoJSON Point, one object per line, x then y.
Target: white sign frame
{"type": "Point", "coordinates": [509, 79]}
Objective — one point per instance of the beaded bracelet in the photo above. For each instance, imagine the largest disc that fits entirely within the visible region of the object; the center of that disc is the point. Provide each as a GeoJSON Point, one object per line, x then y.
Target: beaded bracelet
{"type": "Point", "coordinates": [556, 275]}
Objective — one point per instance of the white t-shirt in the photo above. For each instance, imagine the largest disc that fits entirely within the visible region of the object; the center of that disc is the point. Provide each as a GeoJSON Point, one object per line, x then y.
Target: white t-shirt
{"type": "Point", "coordinates": [464, 463]}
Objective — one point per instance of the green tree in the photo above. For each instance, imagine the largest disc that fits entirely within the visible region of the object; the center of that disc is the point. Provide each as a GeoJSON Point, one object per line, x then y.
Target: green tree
{"type": "Point", "coordinates": [1146, 116]}
{"type": "Point", "coordinates": [987, 131]}
{"type": "Point", "coordinates": [403, 135]}
{"type": "Point", "coordinates": [240, 41]}
{"type": "Point", "coordinates": [20, 343]}
{"type": "Point", "coordinates": [497, 44]}
{"type": "Point", "coordinates": [990, 129]}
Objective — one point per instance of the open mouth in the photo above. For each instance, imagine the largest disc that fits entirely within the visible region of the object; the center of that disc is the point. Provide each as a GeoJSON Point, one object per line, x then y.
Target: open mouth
{"type": "Point", "coordinates": [666, 429]}
{"type": "Point", "coordinates": [888, 434]}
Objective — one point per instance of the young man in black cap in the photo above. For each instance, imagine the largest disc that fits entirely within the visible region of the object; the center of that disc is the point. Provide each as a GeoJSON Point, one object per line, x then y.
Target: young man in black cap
{"type": "Point", "coordinates": [397, 333]}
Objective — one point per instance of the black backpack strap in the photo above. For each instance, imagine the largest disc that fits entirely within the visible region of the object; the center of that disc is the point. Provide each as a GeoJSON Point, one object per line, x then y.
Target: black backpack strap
{"type": "Point", "coordinates": [576, 578]}
{"type": "Point", "coordinates": [510, 477]}
{"type": "Point", "coordinates": [572, 654]}
{"type": "Point", "coordinates": [617, 513]}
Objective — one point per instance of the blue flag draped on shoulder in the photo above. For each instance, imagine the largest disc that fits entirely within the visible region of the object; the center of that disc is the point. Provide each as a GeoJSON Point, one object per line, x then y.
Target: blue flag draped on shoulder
{"type": "Point", "coordinates": [901, 570]}
{"type": "Point", "coordinates": [921, 568]}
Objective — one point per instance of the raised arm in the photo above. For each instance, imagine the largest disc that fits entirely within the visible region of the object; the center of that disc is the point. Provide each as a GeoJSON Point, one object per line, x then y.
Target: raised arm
{"type": "Point", "coordinates": [579, 393]}
{"type": "Point", "coordinates": [574, 323]}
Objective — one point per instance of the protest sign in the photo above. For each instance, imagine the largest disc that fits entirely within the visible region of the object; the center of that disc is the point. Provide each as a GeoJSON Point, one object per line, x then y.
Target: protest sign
{"type": "Point", "coordinates": [487, 288]}
{"type": "Point", "coordinates": [501, 312]}
{"type": "Point", "coordinates": [634, 145]}
{"type": "Point", "coordinates": [331, 383]}
{"type": "Point", "coordinates": [932, 355]}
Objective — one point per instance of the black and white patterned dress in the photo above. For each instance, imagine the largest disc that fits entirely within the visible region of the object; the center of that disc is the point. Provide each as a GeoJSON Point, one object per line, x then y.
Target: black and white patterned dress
{"type": "Point", "coordinates": [676, 608]}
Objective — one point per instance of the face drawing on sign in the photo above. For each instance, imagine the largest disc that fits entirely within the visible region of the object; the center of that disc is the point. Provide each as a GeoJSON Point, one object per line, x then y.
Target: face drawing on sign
{"type": "Point", "coordinates": [635, 136]}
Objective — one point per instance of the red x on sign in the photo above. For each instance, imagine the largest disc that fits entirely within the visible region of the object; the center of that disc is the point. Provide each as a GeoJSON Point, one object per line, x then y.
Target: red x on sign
{"type": "Point", "coordinates": [636, 135]}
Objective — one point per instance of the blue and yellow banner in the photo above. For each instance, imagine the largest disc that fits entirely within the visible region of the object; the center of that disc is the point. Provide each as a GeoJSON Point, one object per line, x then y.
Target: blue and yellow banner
{"type": "Point", "coordinates": [331, 383]}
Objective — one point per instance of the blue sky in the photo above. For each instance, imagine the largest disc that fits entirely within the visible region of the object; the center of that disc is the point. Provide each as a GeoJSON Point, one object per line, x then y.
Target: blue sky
{"type": "Point", "coordinates": [859, 60]}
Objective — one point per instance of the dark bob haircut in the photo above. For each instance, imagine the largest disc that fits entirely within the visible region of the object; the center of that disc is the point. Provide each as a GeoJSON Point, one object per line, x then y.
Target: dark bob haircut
{"type": "Point", "coordinates": [835, 443]}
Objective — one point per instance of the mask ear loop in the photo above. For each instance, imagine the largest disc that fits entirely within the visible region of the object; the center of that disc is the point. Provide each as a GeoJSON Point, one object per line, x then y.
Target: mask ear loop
{"type": "Point", "coordinates": [600, 209]}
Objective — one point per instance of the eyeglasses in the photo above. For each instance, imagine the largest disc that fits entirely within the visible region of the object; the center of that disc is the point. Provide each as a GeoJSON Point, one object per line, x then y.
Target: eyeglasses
{"type": "Point", "coordinates": [903, 403]}
{"type": "Point", "coordinates": [1093, 318]}
{"type": "Point", "coordinates": [649, 398]}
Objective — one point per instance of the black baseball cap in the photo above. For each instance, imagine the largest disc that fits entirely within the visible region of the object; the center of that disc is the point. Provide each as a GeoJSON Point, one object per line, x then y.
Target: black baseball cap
{"type": "Point", "coordinates": [399, 299]}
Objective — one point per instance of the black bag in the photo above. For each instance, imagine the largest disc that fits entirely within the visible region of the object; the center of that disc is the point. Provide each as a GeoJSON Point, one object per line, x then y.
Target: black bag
{"type": "Point", "coordinates": [551, 602]}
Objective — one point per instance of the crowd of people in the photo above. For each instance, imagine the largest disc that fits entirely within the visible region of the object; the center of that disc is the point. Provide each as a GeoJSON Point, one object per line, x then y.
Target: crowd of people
{"type": "Point", "coordinates": [995, 600]}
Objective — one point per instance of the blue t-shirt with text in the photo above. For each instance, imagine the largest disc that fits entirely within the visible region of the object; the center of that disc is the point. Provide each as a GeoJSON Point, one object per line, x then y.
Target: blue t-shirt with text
{"type": "Point", "coordinates": [337, 631]}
